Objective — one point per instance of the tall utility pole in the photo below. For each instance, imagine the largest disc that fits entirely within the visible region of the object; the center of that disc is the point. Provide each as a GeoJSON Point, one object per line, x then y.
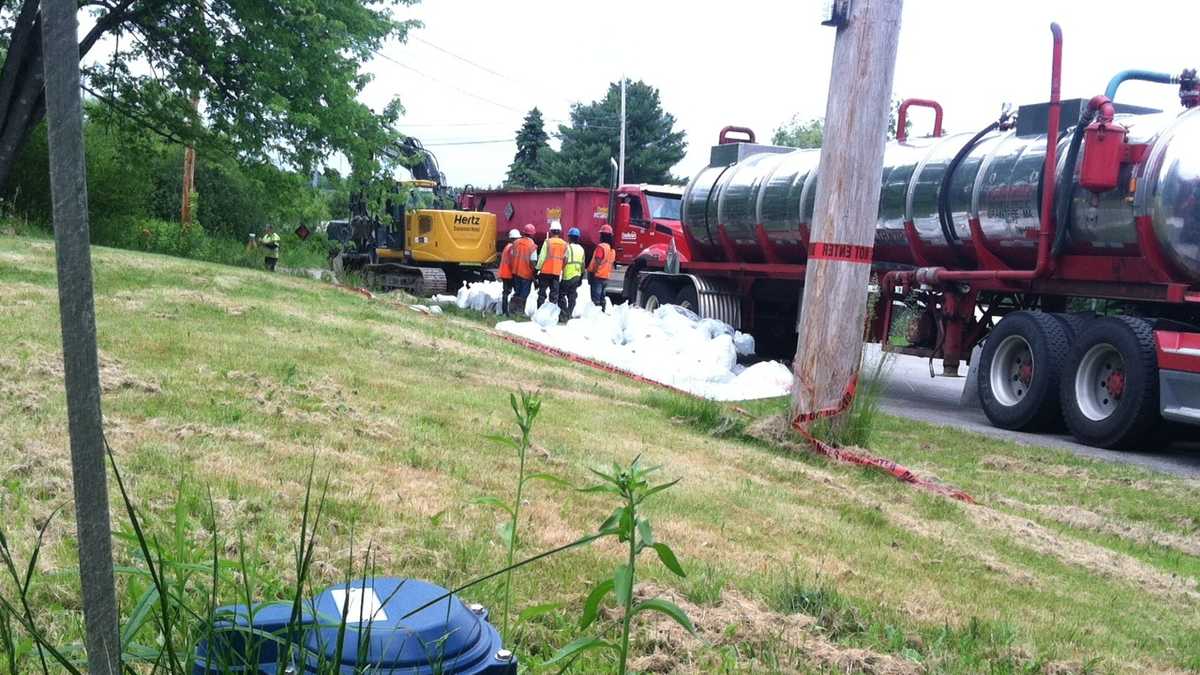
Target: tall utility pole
{"type": "Point", "coordinates": [189, 177]}
{"type": "Point", "coordinates": [621, 155]}
{"type": "Point", "coordinates": [833, 313]}
{"type": "Point", "coordinates": [68, 189]}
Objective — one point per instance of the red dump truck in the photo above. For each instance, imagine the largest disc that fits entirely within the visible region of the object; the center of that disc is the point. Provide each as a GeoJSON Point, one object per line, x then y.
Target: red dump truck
{"type": "Point", "coordinates": [1075, 266]}
{"type": "Point", "coordinates": [645, 218]}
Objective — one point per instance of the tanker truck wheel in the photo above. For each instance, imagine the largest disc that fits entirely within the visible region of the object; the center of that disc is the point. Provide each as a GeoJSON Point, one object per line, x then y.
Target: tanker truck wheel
{"type": "Point", "coordinates": [688, 298]}
{"type": "Point", "coordinates": [1019, 371]}
{"type": "Point", "coordinates": [658, 292]}
{"type": "Point", "coordinates": [1110, 384]}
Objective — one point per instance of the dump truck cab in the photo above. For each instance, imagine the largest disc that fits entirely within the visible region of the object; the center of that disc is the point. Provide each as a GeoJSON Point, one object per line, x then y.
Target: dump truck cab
{"type": "Point", "coordinates": [647, 221]}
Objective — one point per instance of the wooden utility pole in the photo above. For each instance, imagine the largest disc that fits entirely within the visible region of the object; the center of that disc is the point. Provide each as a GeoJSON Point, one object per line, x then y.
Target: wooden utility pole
{"type": "Point", "coordinates": [68, 189]}
{"type": "Point", "coordinates": [833, 310]}
{"type": "Point", "coordinates": [189, 177]}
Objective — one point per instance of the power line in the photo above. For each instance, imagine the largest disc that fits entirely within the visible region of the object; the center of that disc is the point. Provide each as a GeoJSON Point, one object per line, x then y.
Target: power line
{"type": "Point", "coordinates": [447, 84]}
{"type": "Point", "coordinates": [464, 59]}
{"type": "Point", "coordinates": [484, 68]}
{"type": "Point", "coordinates": [498, 140]}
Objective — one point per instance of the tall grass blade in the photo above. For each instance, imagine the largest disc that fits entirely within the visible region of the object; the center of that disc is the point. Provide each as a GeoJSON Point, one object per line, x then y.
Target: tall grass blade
{"type": "Point", "coordinates": [155, 574]}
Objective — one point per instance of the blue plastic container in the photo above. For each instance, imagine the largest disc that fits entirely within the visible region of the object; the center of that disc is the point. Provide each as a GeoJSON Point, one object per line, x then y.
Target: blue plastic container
{"type": "Point", "coordinates": [447, 637]}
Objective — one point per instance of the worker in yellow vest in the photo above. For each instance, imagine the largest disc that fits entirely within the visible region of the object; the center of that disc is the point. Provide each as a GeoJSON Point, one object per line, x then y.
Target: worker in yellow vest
{"type": "Point", "coordinates": [601, 266]}
{"type": "Point", "coordinates": [572, 276]}
{"type": "Point", "coordinates": [270, 242]}
{"type": "Point", "coordinates": [550, 264]}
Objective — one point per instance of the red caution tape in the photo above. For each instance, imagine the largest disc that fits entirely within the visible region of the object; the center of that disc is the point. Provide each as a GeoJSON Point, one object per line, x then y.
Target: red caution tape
{"type": "Point", "coordinates": [820, 447]}
{"type": "Point", "coordinates": [855, 253]}
{"type": "Point", "coordinates": [860, 458]}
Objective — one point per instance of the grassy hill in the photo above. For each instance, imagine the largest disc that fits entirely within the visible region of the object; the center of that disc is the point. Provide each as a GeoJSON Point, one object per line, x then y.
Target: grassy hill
{"type": "Point", "coordinates": [233, 382]}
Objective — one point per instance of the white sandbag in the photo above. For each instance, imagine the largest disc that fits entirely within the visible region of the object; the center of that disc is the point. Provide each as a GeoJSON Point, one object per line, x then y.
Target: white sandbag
{"type": "Point", "coordinates": [546, 315]}
{"type": "Point", "coordinates": [743, 343]}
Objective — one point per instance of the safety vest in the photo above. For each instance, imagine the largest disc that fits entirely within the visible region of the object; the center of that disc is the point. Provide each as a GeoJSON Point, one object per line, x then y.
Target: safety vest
{"type": "Point", "coordinates": [271, 242]}
{"type": "Point", "coordinates": [602, 262]}
{"type": "Point", "coordinates": [554, 253]}
{"type": "Point", "coordinates": [523, 252]}
{"type": "Point", "coordinates": [573, 265]}
{"type": "Point", "coordinates": [506, 265]}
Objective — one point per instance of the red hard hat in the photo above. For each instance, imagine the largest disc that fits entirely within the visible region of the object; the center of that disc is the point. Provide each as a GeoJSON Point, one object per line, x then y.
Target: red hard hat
{"type": "Point", "coordinates": [605, 229]}
{"type": "Point", "coordinates": [528, 229]}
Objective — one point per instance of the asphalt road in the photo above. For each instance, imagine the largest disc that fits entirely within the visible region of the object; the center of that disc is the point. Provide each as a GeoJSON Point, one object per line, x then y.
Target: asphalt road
{"type": "Point", "coordinates": [911, 393]}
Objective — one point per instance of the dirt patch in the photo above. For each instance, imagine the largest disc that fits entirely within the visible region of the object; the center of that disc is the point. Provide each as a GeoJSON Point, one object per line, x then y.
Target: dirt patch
{"type": "Point", "coordinates": [737, 620]}
{"type": "Point", "coordinates": [208, 299]}
{"type": "Point", "coordinates": [1098, 559]}
{"type": "Point", "coordinates": [113, 374]}
{"type": "Point", "coordinates": [1084, 519]}
{"type": "Point", "coordinates": [201, 430]}
{"type": "Point", "coordinates": [1006, 464]}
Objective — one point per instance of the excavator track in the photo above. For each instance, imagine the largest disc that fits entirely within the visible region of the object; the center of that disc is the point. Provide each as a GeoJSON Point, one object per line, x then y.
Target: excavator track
{"type": "Point", "coordinates": [419, 281]}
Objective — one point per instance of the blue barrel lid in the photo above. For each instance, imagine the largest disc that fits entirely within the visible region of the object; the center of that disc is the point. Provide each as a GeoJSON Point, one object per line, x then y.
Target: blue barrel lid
{"type": "Point", "coordinates": [446, 634]}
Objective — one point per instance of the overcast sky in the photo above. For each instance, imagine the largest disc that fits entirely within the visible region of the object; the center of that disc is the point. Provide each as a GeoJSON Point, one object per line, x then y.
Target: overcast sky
{"type": "Point", "coordinates": [477, 66]}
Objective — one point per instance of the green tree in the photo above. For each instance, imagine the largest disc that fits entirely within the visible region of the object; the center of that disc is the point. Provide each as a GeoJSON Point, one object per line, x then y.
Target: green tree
{"type": "Point", "coordinates": [532, 150]}
{"type": "Point", "coordinates": [797, 133]}
{"type": "Point", "coordinates": [652, 144]}
{"type": "Point", "coordinates": [279, 79]}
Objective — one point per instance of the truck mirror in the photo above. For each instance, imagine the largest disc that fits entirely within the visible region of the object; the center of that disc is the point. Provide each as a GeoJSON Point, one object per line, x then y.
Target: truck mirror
{"type": "Point", "coordinates": [622, 215]}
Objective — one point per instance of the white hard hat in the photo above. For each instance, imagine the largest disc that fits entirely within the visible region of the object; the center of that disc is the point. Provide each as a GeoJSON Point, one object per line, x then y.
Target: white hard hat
{"type": "Point", "coordinates": [514, 234]}
{"type": "Point", "coordinates": [556, 226]}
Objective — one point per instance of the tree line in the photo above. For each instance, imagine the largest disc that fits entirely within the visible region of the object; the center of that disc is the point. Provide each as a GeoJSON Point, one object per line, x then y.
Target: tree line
{"type": "Point", "coordinates": [653, 144]}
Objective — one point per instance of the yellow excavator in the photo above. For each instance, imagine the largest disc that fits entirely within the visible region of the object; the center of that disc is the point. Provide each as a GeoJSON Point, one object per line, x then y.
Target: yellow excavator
{"type": "Point", "coordinates": [425, 249]}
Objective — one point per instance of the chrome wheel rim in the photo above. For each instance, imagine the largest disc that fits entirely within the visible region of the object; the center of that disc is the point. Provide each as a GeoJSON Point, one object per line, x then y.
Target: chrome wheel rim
{"type": "Point", "coordinates": [1100, 382]}
{"type": "Point", "coordinates": [1012, 370]}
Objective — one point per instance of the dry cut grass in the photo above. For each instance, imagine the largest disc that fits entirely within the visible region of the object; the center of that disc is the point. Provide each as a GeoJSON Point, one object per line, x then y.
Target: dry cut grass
{"type": "Point", "coordinates": [234, 381]}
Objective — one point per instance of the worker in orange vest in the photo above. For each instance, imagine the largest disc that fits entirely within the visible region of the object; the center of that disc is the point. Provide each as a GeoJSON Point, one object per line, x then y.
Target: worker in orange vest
{"type": "Point", "coordinates": [550, 264]}
{"type": "Point", "coordinates": [524, 252]}
{"type": "Point", "coordinates": [506, 269]}
{"type": "Point", "coordinates": [601, 266]}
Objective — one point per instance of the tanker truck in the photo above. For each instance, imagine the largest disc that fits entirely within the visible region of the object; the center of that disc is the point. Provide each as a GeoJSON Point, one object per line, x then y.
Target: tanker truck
{"type": "Point", "coordinates": [1074, 264]}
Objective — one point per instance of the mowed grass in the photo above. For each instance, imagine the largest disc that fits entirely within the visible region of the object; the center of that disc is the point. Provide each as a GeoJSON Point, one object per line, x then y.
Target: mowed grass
{"type": "Point", "coordinates": [234, 382]}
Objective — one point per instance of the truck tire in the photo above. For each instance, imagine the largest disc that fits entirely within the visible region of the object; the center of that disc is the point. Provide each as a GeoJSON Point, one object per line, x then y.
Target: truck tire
{"type": "Point", "coordinates": [1110, 384]}
{"type": "Point", "coordinates": [1019, 371]}
{"type": "Point", "coordinates": [1075, 322]}
{"type": "Point", "coordinates": [688, 298]}
{"type": "Point", "coordinates": [657, 292]}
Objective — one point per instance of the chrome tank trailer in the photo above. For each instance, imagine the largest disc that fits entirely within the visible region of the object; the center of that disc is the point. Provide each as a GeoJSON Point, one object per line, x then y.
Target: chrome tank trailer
{"type": "Point", "coordinates": [754, 203]}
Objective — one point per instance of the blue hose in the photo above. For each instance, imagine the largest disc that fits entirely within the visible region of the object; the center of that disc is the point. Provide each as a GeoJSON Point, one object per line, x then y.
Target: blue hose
{"type": "Point", "coordinates": [1143, 75]}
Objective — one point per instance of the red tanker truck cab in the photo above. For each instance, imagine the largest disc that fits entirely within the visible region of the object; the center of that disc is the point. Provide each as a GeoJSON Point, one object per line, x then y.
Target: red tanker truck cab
{"type": "Point", "coordinates": [647, 221]}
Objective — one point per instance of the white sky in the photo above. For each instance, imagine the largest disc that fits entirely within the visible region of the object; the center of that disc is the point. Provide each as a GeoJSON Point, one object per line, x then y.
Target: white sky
{"type": "Point", "coordinates": [750, 62]}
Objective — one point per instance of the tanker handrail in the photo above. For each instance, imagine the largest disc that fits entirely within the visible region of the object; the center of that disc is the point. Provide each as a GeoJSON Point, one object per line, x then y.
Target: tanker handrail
{"type": "Point", "coordinates": [902, 116]}
{"type": "Point", "coordinates": [723, 138]}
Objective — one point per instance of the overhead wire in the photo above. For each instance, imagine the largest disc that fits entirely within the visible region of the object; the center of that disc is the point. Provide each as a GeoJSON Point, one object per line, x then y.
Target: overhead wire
{"type": "Point", "coordinates": [447, 84]}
